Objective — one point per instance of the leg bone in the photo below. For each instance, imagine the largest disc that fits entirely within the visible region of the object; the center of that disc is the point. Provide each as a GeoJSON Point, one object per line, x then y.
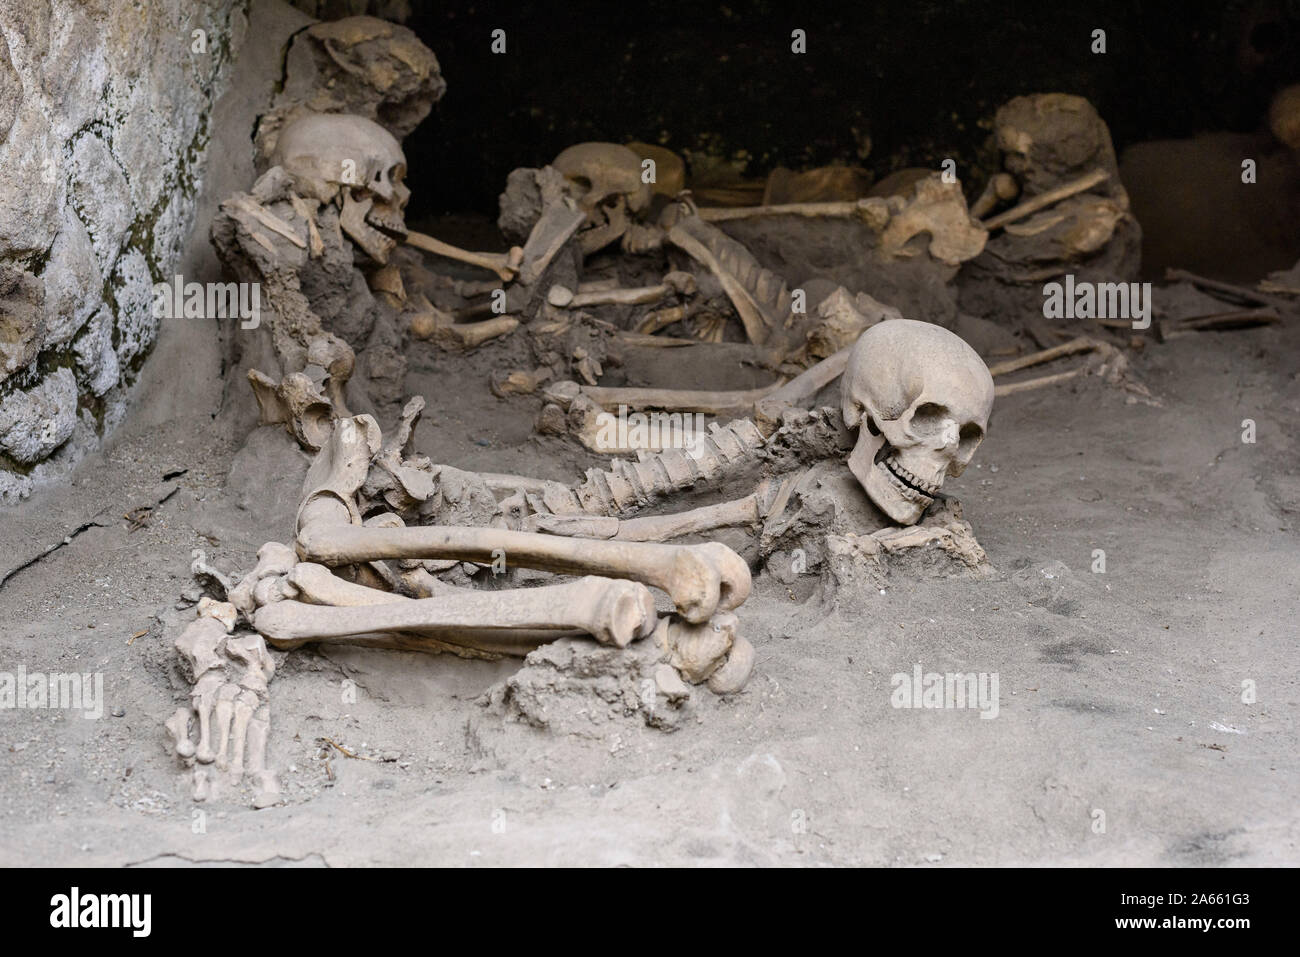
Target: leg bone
{"type": "Point", "coordinates": [615, 612]}
{"type": "Point", "coordinates": [700, 579]}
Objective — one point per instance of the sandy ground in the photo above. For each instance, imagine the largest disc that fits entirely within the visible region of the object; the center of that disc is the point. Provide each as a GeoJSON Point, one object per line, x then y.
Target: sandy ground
{"type": "Point", "coordinates": [1121, 736]}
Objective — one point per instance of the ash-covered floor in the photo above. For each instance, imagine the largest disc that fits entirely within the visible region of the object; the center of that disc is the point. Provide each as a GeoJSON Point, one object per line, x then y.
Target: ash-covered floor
{"type": "Point", "coordinates": [1137, 610]}
{"type": "Point", "coordinates": [1121, 738]}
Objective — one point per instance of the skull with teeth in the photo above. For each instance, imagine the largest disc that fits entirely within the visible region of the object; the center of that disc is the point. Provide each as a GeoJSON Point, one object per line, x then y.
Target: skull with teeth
{"type": "Point", "coordinates": [921, 398]}
{"type": "Point", "coordinates": [338, 156]}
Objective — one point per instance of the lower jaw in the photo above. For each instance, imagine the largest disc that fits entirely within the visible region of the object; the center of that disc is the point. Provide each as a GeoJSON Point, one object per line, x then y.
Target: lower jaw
{"type": "Point", "coordinates": [901, 503]}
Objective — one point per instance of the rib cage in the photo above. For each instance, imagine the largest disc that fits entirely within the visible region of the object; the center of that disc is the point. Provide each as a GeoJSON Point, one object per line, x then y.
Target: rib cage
{"type": "Point", "coordinates": [763, 289]}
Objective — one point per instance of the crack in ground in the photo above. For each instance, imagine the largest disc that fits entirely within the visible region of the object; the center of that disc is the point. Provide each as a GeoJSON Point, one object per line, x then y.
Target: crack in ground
{"type": "Point", "coordinates": [278, 860]}
{"type": "Point", "coordinates": [67, 539]}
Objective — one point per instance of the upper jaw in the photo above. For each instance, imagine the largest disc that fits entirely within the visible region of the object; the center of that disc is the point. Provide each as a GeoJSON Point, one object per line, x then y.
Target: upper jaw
{"type": "Point", "coordinates": [890, 493]}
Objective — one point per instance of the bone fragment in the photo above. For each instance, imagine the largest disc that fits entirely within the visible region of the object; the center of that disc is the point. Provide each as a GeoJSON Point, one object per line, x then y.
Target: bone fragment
{"type": "Point", "coordinates": [1218, 321]}
{"type": "Point", "coordinates": [317, 585]}
{"type": "Point", "coordinates": [680, 283]}
{"type": "Point", "coordinates": [842, 208]}
{"type": "Point", "coordinates": [652, 322]}
{"type": "Point", "coordinates": [306, 209]}
{"type": "Point", "coordinates": [652, 528]}
{"type": "Point", "coordinates": [1043, 200]}
{"type": "Point", "coordinates": [662, 528]}
{"type": "Point", "coordinates": [799, 391]}
{"type": "Point", "coordinates": [504, 265]}
{"type": "Point", "coordinates": [556, 227]}
{"type": "Point", "coordinates": [1221, 289]}
{"type": "Point", "coordinates": [1011, 388]}
{"type": "Point", "coordinates": [1073, 347]}
{"type": "Point", "coordinates": [268, 219]}
{"type": "Point", "coordinates": [1001, 187]}
{"type": "Point", "coordinates": [469, 335]}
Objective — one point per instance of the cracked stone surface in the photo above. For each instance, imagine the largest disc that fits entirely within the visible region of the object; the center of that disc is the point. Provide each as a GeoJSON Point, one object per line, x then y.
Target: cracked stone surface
{"type": "Point", "coordinates": [103, 138]}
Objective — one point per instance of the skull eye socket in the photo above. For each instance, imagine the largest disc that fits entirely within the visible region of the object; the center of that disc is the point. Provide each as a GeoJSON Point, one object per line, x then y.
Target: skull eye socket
{"type": "Point", "coordinates": [970, 437]}
{"type": "Point", "coordinates": [928, 419]}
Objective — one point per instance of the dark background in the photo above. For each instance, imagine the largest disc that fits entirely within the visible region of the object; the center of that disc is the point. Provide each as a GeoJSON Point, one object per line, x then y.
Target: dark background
{"type": "Point", "coordinates": [921, 80]}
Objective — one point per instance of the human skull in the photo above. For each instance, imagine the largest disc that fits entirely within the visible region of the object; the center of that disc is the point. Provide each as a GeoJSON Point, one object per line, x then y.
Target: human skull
{"type": "Point", "coordinates": [605, 172]}
{"type": "Point", "coordinates": [1048, 138]}
{"type": "Point", "coordinates": [337, 154]}
{"type": "Point", "coordinates": [921, 397]}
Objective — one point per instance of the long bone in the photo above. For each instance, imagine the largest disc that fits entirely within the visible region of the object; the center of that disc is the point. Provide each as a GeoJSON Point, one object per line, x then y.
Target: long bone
{"type": "Point", "coordinates": [1001, 187]}
{"type": "Point", "coordinates": [764, 404]}
{"type": "Point", "coordinates": [660, 528]}
{"type": "Point", "coordinates": [700, 579]}
{"type": "Point", "coordinates": [317, 585]}
{"type": "Point", "coordinates": [1043, 200]}
{"type": "Point", "coordinates": [868, 209]}
{"type": "Point", "coordinates": [505, 265]}
{"type": "Point", "coordinates": [734, 403]}
{"type": "Point", "coordinates": [614, 612]}
{"type": "Point", "coordinates": [675, 283]}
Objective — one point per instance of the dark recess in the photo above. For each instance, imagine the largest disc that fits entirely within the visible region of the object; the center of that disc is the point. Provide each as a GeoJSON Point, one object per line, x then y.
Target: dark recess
{"type": "Point", "coordinates": [922, 79]}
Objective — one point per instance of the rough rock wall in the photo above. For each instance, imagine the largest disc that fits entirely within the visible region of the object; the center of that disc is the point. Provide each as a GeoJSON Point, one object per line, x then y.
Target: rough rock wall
{"type": "Point", "coordinates": [104, 131]}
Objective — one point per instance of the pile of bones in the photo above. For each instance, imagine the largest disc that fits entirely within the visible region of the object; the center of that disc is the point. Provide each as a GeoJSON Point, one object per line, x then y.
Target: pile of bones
{"type": "Point", "coordinates": [392, 550]}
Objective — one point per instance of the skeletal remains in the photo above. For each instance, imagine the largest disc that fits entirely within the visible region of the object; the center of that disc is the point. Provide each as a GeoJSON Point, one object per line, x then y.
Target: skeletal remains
{"type": "Point", "coordinates": [362, 564]}
{"type": "Point", "coordinates": [387, 545]}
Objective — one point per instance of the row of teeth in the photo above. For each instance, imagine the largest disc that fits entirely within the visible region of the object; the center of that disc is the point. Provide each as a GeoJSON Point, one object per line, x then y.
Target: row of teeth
{"type": "Point", "coordinates": [906, 480]}
{"type": "Point", "coordinates": [380, 221]}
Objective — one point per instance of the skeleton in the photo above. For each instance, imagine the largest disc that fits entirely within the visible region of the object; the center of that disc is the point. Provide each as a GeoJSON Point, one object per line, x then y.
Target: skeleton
{"type": "Point", "coordinates": [367, 580]}
{"type": "Point", "coordinates": [610, 189]}
{"type": "Point", "coordinates": [353, 161]}
{"type": "Point", "coordinates": [585, 412]}
{"type": "Point", "coordinates": [333, 176]}
{"type": "Point", "coordinates": [919, 397]}
{"type": "Point", "coordinates": [1073, 214]}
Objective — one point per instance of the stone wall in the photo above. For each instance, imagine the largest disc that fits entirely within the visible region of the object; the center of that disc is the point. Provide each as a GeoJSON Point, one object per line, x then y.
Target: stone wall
{"type": "Point", "coordinates": [104, 128]}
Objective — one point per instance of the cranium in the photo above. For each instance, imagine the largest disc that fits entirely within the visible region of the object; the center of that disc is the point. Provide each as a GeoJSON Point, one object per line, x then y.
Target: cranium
{"type": "Point", "coordinates": [333, 155]}
{"type": "Point", "coordinates": [922, 399]}
{"type": "Point", "coordinates": [605, 171]}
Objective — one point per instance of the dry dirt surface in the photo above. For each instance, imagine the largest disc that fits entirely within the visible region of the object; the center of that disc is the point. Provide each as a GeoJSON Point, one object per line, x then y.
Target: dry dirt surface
{"type": "Point", "coordinates": [1147, 713]}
